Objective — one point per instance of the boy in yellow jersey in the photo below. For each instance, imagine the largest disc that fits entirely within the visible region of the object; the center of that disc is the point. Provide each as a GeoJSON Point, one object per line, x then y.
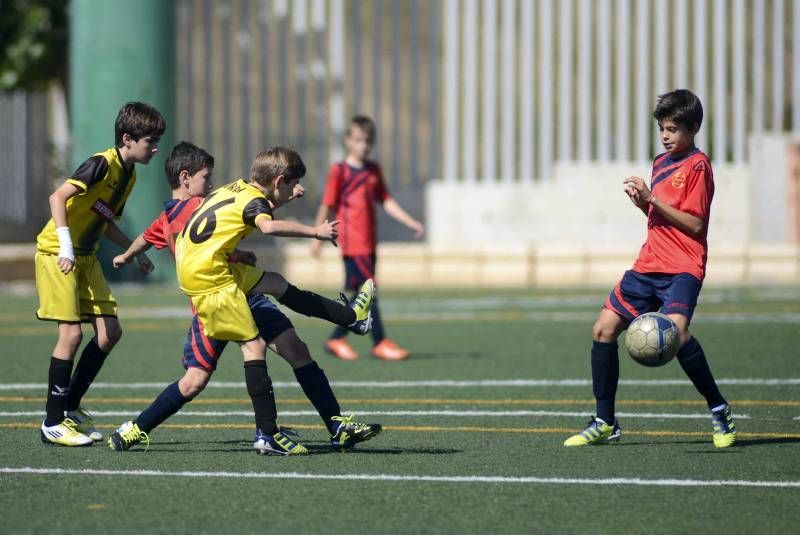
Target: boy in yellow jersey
{"type": "Point", "coordinates": [70, 281]}
{"type": "Point", "coordinates": [218, 288]}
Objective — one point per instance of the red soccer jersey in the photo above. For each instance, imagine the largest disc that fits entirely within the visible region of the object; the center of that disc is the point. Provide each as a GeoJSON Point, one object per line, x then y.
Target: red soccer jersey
{"type": "Point", "coordinates": [353, 193]}
{"type": "Point", "coordinates": [686, 184]}
{"type": "Point", "coordinates": [162, 232]}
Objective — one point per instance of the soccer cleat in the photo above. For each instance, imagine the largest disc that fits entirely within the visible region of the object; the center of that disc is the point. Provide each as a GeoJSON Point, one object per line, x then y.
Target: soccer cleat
{"type": "Point", "coordinates": [596, 432]}
{"type": "Point", "coordinates": [127, 436]}
{"type": "Point", "coordinates": [278, 444]}
{"type": "Point", "coordinates": [724, 427]}
{"type": "Point", "coordinates": [388, 350]}
{"type": "Point", "coordinates": [85, 422]}
{"type": "Point", "coordinates": [350, 433]}
{"type": "Point", "coordinates": [338, 347]}
{"type": "Point", "coordinates": [64, 434]}
{"type": "Point", "coordinates": [362, 306]}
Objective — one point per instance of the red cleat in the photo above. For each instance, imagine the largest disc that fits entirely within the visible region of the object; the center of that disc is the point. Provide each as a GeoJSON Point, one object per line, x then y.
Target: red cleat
{"type": "Point", "coordinates": [340, 349]}
{"type": "Point", "coordinates": [388, 350]}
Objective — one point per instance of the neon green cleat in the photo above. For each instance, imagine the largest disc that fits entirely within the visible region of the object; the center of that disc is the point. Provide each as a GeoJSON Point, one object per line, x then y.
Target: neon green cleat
{"type": "Point", "coordinates": [64, 434]}
{"type": "Point", "coordinates": [350, 433]}
{"type": "Point", "coordinates": [724, 427]}
{"type": "Point", "coordinates": [597, 432]}
{"type": "Point", "coordinates": [362, 306]}
{"type": "Point", "coordinates": [278, 444]}
{"type": "Point", "coordinates": [127, 436]}
{"type": "Point", "coordinates": [85, 422]}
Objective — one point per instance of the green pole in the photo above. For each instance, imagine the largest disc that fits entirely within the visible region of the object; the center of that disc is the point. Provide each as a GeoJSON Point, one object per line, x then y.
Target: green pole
{"type": "Point", "coordinates": [122, 51]}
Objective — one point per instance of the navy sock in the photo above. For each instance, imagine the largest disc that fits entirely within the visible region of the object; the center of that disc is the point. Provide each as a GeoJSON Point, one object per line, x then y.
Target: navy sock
{"type": "Point", "coordinates": [605, 375]}
{"type": "Point", "coordinates": [57, 390]}
{"type": "Point", "coordinates": [259, 387]}
{"type": "Point", "coordinates": [693, 361]}
{"type": "Point", "coordinates": [89, 365]}
{"type": "Point", "coordinates": [168, 402]}
{"type": "Point", "coordinates": [318, 390]}
{"type": "Point", "coordinates": [317, 306]}
{"type": "Point", "coordinates": [377, 326]}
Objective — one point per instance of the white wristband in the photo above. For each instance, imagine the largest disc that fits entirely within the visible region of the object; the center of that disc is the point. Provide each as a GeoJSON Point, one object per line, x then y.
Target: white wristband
{"type": "Point", "coordinates": [65, 244]}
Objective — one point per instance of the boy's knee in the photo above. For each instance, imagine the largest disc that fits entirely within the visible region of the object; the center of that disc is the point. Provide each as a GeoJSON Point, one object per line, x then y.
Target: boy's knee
{"type": "Point", "coordinates": [191, 384]}
{"type": "Point", "coordinates": [603, 332]}
{"type": "Point", "coordinates": [296, 352]}
{"type": "Point", "coordinates": [108, 339]}
{"type": "Point", "coordinates": [71, 338]}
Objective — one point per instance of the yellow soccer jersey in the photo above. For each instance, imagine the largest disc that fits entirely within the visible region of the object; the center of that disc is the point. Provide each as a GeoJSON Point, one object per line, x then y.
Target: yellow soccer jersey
{"type": "Point", "coordinates": [215, 229]}
{"type": "Point", "coordinates": [105, 185]}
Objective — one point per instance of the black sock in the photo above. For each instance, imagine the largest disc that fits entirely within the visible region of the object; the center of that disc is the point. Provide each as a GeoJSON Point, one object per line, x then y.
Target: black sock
{"type": "Point", "coordinates": [259, 386]}
{"type": "Point", "coordinates": [316, 306]}
{"type": "Point", "coordinates": [694, 363]}
{"type": "Point", "coordinates": [57, 390]}
{"type": "Point", "coordinates": [377, 325]}
{"type": "Point", "coordinates": [605, 375]}
{"type": "Point", "coordinates": [168, 402]}
{"type": "Point", "coordinates": [89, 364]}
{"type": "Point", "coordinates": [318, 390]}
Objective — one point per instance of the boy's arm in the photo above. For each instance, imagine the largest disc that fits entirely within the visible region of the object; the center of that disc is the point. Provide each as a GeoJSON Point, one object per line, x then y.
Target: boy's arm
{"type": "Point", "coordinates": [136, 248]}
{"type": "Point", "coordinates": [398, 214]}
{"type": "Point", "coordinates": [58, 208]}
{"type": "Point", "coordinates": [324, 213]}
{"type": "Point", "coordinates": [289, 229]}
{"type": "Point", "coordinates": [640, 193]}
{"type": "Point", "coordinates": [115, 234]}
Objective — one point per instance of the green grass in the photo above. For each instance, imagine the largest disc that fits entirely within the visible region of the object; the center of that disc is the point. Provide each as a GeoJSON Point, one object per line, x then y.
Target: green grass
{"type": "Point", "coordinates": [469, 335]}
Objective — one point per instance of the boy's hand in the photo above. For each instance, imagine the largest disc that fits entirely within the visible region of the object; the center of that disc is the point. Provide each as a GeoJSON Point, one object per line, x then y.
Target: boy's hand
{"type": "Point", "coordinates": [327, 231]}
{"type": "Point", "coordinates": [638, 191]}
{"type": "Point", "coordinates": [298, 191]}
{"type": "Point", "coordinates": [145, 265]}
{"type": "Point", "coordinates": [65, 264]}
{"type": "Point", "coordinates": [120, 260]}
{"type": "Point", "coordinates": [417, 228]}
{"type": "Point", "coordinates": [243, 257]}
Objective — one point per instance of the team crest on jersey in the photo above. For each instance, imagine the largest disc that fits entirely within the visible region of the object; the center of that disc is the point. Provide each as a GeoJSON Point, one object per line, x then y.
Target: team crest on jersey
{"type": "Point", "coordinates": [103, 210]}
{"type": "Point", "coordinates": [678, 180]}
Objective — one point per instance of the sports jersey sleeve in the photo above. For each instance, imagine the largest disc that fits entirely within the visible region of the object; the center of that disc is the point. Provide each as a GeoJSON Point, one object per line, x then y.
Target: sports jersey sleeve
{"type": "Point", "coordinates": [332, 188]}
{"type": "Point", "coordinates": [381, 191]}
{"type": "Point", "coordinates": [254, 209]}
{"type": "Point", "coordinates": [154, 234]}
{"type": "Point", "coordinates": [699, 191]}
{"type": "Point", "coordinates": [89, 172]}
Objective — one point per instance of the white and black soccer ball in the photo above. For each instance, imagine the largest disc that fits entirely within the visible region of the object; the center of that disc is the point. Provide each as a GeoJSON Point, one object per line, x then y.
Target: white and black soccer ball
{"type": "Point", "coordinates": [652, 339]}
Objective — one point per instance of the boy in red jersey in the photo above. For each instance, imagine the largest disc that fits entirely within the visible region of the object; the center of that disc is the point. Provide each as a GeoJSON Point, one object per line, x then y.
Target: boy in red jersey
{"type": "Point", "coordinates": [668, 274]}
{"type": "Point", "coordinates": [354, 187]}
{"type": "Point", "coordinates": [188, 169]}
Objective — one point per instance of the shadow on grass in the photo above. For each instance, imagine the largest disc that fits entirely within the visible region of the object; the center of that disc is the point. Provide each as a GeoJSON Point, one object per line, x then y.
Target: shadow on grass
{"type": "Point", "coordinates": [314, 448]}
{"type": "Point", "coordinates": [447, 355]}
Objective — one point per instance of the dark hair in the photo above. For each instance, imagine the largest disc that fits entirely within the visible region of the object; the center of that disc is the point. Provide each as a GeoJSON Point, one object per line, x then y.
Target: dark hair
{"type": "Point", "coordinates": [366, 124]}
{"type": "Point", "coordinates": [138, 120]}
{"type": "Point", "coordinates": [275, 161]}
{"type": "Point", "coordinates": [681, 106]}
{"type": "Point", "coordinates": [186, 156]}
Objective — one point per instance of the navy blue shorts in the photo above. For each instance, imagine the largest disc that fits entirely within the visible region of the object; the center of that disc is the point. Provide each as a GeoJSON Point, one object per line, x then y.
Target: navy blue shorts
{"type": "Point", "coordinates": [638, 293]}
{"type": "Point", "coordinates": [200, 351]}
{"type": "Point", "coordinates": [357, 269]}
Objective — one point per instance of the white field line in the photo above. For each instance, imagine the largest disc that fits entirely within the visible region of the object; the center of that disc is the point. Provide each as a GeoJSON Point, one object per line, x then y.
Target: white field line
{"type": "Point", "coordinates": [437, 383]}
{"type": "Point", "coordinates": [616, 481]}
{"type": "Point", "coordinates": [499, 414]}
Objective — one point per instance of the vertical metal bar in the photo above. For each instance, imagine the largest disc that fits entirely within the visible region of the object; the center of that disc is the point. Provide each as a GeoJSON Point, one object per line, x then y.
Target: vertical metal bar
{"type": "Point", "coordinates": [759, 37]}
{"type": "Point", "coordinates": [264, 52]}
{"type": "Point", "coordinates": [720, 70]}
{"type": "Point", "coordinates": [208, 49]}
{"type": "Point", "coordinates": [662, 51]}
{"type": "Point", "coordinates": [680, 61]}
{"type": "Point", "coordinates": [377, 50]}
{"type": "Point", "coordinates": [336, 65]}
{"type": "Point", "coordinates": [318, 75]}
{"type": "Point", "coordinates": [566, 95]}
{"type": "Point", "coordinates": [796, 67]}
{"type": "Point", "coordinates": [508, 86]}
{"type": "Point", "coordinates": [642, 75]}
{"type": "Point", "coordinates": [397, 117]}
{"type": "Point", "coordinates": [300, 70]}
{"type": "Point", "coordinates": [701, 52]}
{"type": "Point", "coordinates": [229, 158]}
{"type": "Point", "coordinates": [546, 77]}
{"type": "Point", "coordinates": [526, 146]}
{"type": "Point", "coordinates": [623, 107]}
{"type": "Point", "coordinates": [451, 91]}
{"type": "Point", "coordinates": [357, 28]}
{"type": "Point", "coordinates": [585, 81]}
{"type": "Point", "coordinates": [435, 99]}
{"type": "Point", "coordinates": [604, 80]}
{"type": "Point", "coordinates": [243, 42]}
{"type": "Point", "coordinates": [469, 112]}
{"type": "Point", "coordinates": [413, 131]}
{"type": "Point", "coordinates": [281, 8]}
{"type": "Point", "coordinates": [739, 117]}
{"type": "Point", "coordinates": [777, 65]}
{"type": "Point", "coordinates": [488, 114]}
{"type": "Point", "coordinates": [186, 20]}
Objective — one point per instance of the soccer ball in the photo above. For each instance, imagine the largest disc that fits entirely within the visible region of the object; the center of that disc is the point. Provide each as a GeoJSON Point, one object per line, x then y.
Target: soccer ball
{"type": "Point", "coordinates": [652, 339]}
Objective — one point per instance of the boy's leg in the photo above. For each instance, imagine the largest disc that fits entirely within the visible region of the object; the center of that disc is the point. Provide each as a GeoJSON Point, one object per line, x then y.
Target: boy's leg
{"type": "Point", "coordinates": [693, 360]}
{"type": "Point", "coordinates": [605, 362]}
{"type": "Point", "coordinates": [69, 339]}
{"type": "Point", "coordinates": [303, 301]}
{"type": "Point", "coordinates": [107, 333]}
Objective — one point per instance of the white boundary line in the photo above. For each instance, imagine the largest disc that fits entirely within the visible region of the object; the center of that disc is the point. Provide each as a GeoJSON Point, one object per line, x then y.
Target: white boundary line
{"type": "Point", "coordinates": [619, 481]}
{"type": "Point", "coordinates": [214, 414]}
{"type": "Point", "coordinates": [438, 383]}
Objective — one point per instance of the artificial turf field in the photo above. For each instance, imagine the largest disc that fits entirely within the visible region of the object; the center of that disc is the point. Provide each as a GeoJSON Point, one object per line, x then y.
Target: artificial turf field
{"type": "Point", "coordinates": [473, 426]}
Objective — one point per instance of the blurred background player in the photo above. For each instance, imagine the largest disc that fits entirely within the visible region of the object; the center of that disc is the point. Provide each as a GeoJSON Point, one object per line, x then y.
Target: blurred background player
{"type": "Point", "coordinates": [669, 271]}
{"type": "Point", "coordinates": [188, 170]}
{"type": "Point", "coordinates": [354, 187]}
{"type": "Point", "coordinates": [69, 279]}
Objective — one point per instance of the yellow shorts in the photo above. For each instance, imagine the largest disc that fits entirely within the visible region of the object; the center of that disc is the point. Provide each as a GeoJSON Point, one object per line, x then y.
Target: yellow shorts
{"type": "Point", "coordinates": [225, 314]}
{"type": "Point", "coordinates": [75, 296]}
